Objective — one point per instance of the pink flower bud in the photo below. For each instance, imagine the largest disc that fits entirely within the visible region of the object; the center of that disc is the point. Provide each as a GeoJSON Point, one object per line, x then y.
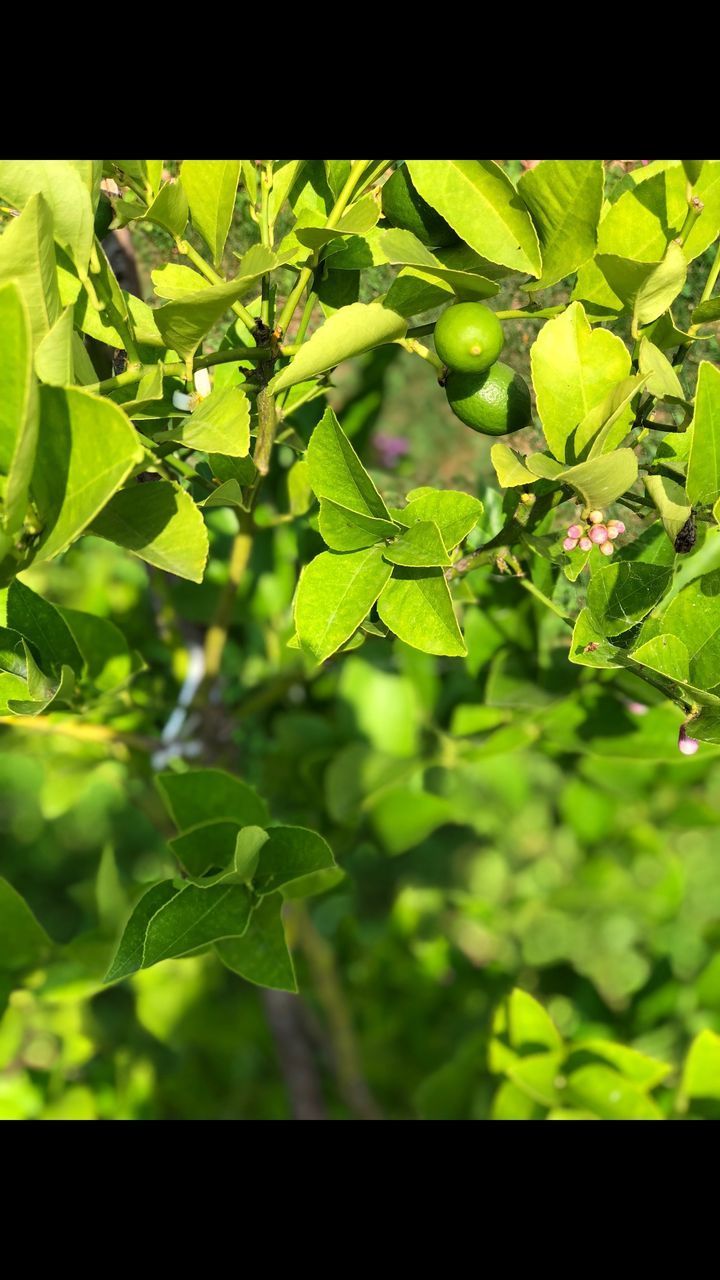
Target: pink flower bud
{"type": "Point", "coordinates": [638, 708]}
{"type": "Point", "coordinates": [617, 525]}
{"type": "Point", "coordinates": [574, 531]}
{"type": "Point", "coordinates": [585, 544]}
{"type": "Point", "coordinates": [570, 544]}
{"type": "Point", "coordinates": [596, 517]}
{"type": "Point", "coordinates": [612, 532]}
{"type": "Point", "coordinates": [607, 548]}
{"type": "Point", "coordinates": [687, 745]}
{"type": "Point", "coordinates": [598, 534]}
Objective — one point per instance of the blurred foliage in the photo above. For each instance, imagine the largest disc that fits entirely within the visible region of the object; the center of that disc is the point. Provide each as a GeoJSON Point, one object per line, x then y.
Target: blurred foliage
{"type": "Point", "coordinates": [506, 821]}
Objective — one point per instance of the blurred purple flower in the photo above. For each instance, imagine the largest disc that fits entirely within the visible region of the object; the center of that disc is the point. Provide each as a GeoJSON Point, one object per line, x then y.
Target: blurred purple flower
{"type": "Point", "coordinates": [390, 448]}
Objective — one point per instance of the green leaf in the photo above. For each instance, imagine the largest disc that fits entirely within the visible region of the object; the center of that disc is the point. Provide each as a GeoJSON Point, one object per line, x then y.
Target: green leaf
{"type": "Point", "coordinates": [107, 659]}
{"type": "Point", "coordinates": [261, 955]}
{"type": "Point", "coordinates": [510, 468]}
{"type": "Point", "coordinates": [666, 654]}
{"type": "Point", "coordinates": [206, 795]}
{"type": "Point", "coordinates": [23, 941]}
{"type": "Point", "coordinates": [337, 473]}
{"type": "Point", "coordinates": [693, 617]}
{"type": "Point", "coordinates": [402, 247]}
{"type": "Point", "coordinates": [564, 198]}
{"type": "Point", "coordinates": [647, 288]}
{"type": "Point", "coordinates": [593, 362]}
{"type": "Point", "coordinates": [412, 292]}
{"type": "Point", "coordinates": [346, 530]}
{"type": "Point", "coordinates": [417, 607]}
{"type": "Point", "coordinates": [671, 502]}
{"type": "Point", "coordinates": [173, 281]}
{"type": "Point", "coordinates": [55, 357]}
{"type": "Point", "coordinates": [609, 1095]}
{"type": "Point", "coordinates": [644, 1071]}
{"type": "Point", "coordinates": [334, 595]}
{"type": "Point", "coordinates": [169, 209]}
{"type": "Point", "coordinates": [706, 312]}
{"type": "Point", "coordinates": [18, 405]}
{"type": "Point", "coordinates": [160, 523]}
{"type": "Point", "coordinates": [421, 546]}
{"type": "Point", "coordinates": [589, 647]}
{"type": "Point", "coordinates": [195, 918]}
{"type": "Point", "coordinates": [39, 622]}
{"type": "Point", "coordinates": [357, 220]}
{"type": "Point", "coordinates": [67, 196]}
{"type": "Point", "coordinates": [209, 844]}
{"type": "Point", "coordinates": [480, 203]}
{"type": "Point", "coordinates": [27, 256]}
{"type": "Point", "coordinates": [210, 186]}
{"type": "Point", "coordinates": [536, 1075]}
{"type": "Point", "coordinates": [289, 854]}
{"type": "Point", "coordinates": [701, 1073]}
{"type": "Point", "coordinates": [639, 225]}
{"type": "Point", "coordinates": [606, 426]}
{"type": "Point", "coordinates": [129, 955]}
{"type": "Point", "coordinates": [404, 816]}
{"type": "Point", "coordinates": [524, 1022]}
{"type": "Point", "coordinates": [455, 513]}
{"type": "Point", "coordinates": [620, 594]}
{"type": "Point", "coordinates": [601, 480]}
{"type": "Point", "coordinates": [349, 332]}
{"type": "Point", "coordinates": [220, 424]}
{"type": "Point", "coordinates": [662, 380]}
{"type": "Point", "coordinates": [703, 473]}
{"type": "Point", "coordinates": [185, 322]}
{"type": "Point", "coordinates": [73, 479]}
{"type": "Point", "coordinates": [284, 174]}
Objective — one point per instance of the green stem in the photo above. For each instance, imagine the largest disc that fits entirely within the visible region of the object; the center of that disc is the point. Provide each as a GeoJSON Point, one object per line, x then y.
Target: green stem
{"type": "Point", "coordinates": [217, 633]}
{"type": "Point", "coordinates": [265, 235]}
{"type": "Point", "coordinates": [695, 208]}
{"type": "Point", "coordinates": [229, 355]}
{"type": "Point", "coordinates": [188, 251]}
{"type": "Point", "coordinates": [267, 425]}
{"type": "Point", "coordinates": [372, 176]}
{"type": "Point", "coordinates": [334, 217]}
{"type": "Point", "coordinates": [417, 348]}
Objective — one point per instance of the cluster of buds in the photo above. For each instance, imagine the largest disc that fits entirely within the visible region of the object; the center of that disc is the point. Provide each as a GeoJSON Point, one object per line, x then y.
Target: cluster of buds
{"type": "Point", "coordinates": [597, 531]}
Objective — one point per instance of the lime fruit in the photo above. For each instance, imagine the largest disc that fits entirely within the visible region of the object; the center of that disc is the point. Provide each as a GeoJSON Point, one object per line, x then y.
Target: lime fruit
{"type": "Point", "coordinates": [403, 207]}
{"type": "Point", "coordinates": [494, 403]}
{"type": "Point", "coordinates": [468, 337]}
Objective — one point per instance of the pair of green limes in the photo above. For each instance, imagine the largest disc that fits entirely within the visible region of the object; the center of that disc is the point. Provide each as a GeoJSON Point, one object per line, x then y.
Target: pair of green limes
{"type": "Point", "coordinates": [484, 393]}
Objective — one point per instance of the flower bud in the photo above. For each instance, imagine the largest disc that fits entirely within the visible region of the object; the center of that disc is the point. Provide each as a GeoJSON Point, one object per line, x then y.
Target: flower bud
{"type": "Point", "coordinates": [687, 745]}
{"type": "Point", "coordinates": [570, 544]}
{"type": "Point", "coordinates": [612, 532]}
{"type": "Point", "coordinates": [598, 534]}
{"type": "Point", "coordinates": [574, 531]}
{"type": "Point", "coordinates": [203, 385]}
{"type": "Point", "coordinates": [585, 544]}
{"type": "Point", "coordinates": [617, 525]}
{"type": "Point", "coordinates": [607, 548]}
{"type": "Point", "coordinates": [638, 708]}
{"type": "Point", "coordinates": [596, 517]}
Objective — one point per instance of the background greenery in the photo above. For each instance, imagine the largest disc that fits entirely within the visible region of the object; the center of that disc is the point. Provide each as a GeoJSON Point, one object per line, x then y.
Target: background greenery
{"type": "Point", "coordinates": [493, 833]}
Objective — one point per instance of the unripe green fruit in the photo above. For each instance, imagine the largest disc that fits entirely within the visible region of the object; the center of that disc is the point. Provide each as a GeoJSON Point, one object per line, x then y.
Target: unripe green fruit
{"type": "Point", "coordinates": [494, 403]}
{"type": "Point", "coordinates": [403, 207]}
{"type": "Point", "coordinates": [468, 337]}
